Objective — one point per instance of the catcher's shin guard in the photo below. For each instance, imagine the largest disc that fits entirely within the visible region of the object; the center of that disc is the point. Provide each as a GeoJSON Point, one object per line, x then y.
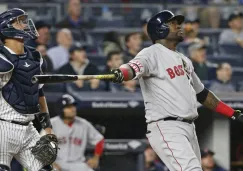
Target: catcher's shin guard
{"type": "Point", "coordinates": [4, 168]}
{"type": "Point", "coordinates": [47, 168]}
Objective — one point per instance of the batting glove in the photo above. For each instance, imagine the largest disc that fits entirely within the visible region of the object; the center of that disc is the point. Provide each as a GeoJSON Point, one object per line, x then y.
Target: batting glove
{"type": "Point", "coordinates": [119, 77]}
{"type": "Point", "coordinates": [237, 116]}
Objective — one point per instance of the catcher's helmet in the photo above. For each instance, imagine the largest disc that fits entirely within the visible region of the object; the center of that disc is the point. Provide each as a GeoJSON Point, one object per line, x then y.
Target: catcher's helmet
{"type": "Point", "coordinates": [66, 100]}
{"type": "Point", "coordinates": [157, 26]}
{"type": "Point", "coordinates": [19, 15]}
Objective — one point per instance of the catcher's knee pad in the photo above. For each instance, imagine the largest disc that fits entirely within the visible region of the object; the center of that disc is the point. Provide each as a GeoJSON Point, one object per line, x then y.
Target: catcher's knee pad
{"type": "Point", "coordinates": [46, 168]}
{"type": "Point", "coordinates": [4, 168]}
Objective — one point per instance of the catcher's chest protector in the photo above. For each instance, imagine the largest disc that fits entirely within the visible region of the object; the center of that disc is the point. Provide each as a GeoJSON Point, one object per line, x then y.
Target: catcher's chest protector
{"type": "Point", "coordinates": [19, 92]}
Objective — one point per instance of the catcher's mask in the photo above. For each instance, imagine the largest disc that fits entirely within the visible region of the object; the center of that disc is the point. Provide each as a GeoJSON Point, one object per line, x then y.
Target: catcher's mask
{"type": "Point", "coordinates": [15, 23]}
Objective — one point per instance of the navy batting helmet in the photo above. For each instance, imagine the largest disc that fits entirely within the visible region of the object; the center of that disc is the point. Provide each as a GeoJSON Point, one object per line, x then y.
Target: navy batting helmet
{"type": "Point", "coordinates": [66, 100]}
{"type": "Point", "coordinates": [17, 15]}
{"type": "Point", "coordinates": [157, 26]}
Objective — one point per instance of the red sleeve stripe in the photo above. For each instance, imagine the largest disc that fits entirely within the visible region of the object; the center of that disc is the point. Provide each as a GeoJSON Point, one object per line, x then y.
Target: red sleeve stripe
{"type": "Point", "coordinates": [99, 147]}
{"type": "Point", "coordinates": [134, 66]}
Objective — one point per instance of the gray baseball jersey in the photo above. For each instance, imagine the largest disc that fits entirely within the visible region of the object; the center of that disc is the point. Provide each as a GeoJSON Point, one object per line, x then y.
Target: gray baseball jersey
{"type": "Point", "coordinates": [73, 140]}
{"type": "Point", "coordinates": [16, 140]}
{"type": "Point", "coordinates": [169, 86]}
{"type": "Point", "coordinates": [168, 83]}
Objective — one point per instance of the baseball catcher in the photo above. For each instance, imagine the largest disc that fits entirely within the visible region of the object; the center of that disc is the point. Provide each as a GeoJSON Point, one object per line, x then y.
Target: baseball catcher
{"type": "Point", "coordinates": [20, 99]}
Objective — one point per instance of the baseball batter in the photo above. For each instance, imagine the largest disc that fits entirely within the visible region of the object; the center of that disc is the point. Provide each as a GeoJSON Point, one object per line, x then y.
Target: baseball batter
{"type": "Point", "coordinates": [74, 133]}
{"type": "Point", "coordinates": [20, 100]}
{"type": "Point", "coordinates": [171, 90]}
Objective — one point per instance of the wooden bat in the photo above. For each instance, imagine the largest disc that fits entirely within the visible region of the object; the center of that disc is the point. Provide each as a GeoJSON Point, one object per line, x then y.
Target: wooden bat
{"type": "Point", "coordinates": [61, 78]}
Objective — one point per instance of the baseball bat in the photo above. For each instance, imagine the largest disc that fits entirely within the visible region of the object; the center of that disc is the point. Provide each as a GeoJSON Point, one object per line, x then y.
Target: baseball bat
{"type": "Point", "coordinates": [61, 78]}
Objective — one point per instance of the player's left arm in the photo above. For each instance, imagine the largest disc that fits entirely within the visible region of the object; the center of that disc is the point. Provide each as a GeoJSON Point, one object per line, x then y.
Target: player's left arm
{"type": "Point", "coordinates": [96, 139]}
{"type": "Point", "coordinates": [209, 100]}
{"type": "Point", "coordinates": [43, 117]}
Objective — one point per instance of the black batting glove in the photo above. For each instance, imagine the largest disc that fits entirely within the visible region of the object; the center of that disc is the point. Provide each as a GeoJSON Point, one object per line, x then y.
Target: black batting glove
{"type": "Point", "coordinates": [237, 116]}
{"type": "Point", "coordinates": [119, 77]}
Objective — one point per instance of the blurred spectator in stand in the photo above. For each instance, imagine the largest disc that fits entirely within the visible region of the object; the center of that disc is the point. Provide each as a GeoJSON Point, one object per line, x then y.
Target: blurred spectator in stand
{"type": "Point", "coordinates": [151, 164]}
{"type": "Point", "coordinates": [212, 15]}
{"type": "Point", "coordinates": [208, 163]}
{"type": "Point", "coordinates": [223, 82]}
{"type": "Point", "coordinates": [77, 23]}
{"type": "Point", "coordinates": [217, 12]}
{"type": "Point", "coordinates": [46, 59]}
{"type": "Point", "coordinates": [234, 35]}
{"type": "Point", "coordinates": [130, 86]}
{"type": "Point", "coordinates": [111, 43]}
{"type": "Point", "coordinates": [80, 65]}
{"type": "Point", "coordinates": [191, 33]}
{"type": "Point", "coordinates": [145, 36]}
{"type": "Point", "coordinates": [195, 24]}
{"type": "Point", "coordinates": [74, 18]}
{"type": "Point", "coordinates": [43, 29]}
{"type": "Point", "coordinates": [59, 54]}
{"type": "Point", "coordinates": [113, 61]}
{"type": "Point", "coordinates": [133, 43]}
{"type": "Point", "coordinates": [197, 54]}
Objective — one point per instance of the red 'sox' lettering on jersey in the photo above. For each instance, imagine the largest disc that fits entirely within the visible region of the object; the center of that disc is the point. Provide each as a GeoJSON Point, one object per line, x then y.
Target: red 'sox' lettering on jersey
{"type": "Point", "coordinates": [176, 71]}
{"type": "Point", "coordinates": [72, 140]}
{"type": "Point", "coordinates": [181, 69]}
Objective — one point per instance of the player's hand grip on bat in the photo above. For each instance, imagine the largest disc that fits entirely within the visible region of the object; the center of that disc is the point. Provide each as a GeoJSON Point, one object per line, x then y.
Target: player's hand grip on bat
{"type": "Point", "coordinates": [237, 116]}
{"type": "Point", "coordinates": [119, 77]}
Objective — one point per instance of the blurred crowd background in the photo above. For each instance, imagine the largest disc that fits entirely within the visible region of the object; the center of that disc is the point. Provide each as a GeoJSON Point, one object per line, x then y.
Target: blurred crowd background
{"type": "Point", "coordinates": [94, 36]}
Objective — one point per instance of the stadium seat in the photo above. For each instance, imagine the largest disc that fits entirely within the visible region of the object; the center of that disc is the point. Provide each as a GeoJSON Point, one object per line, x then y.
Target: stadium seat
{"type": "Point", "coordinates": [59, 87]}
{"type": "Point", "coordinates": [115, 22]}
{"type": "Point", "coordinates": [234, 60]}
{"type": "Point", "coordinates": [230, 49]}
{"type": "Point", "coordinates": [99, 61]}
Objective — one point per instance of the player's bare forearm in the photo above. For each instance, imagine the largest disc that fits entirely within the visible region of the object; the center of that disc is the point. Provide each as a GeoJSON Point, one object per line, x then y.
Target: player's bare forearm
{"type": "Point", "coordinates": [130, 71]}
{"type": "Point", "coordinates": [211, 101]}
{"type": "Point", "coordinates": [215, 104]}
{"type": "Point", "coordinates": [44, 109]}
{"type": "Point", "coordinates": [43, 105]}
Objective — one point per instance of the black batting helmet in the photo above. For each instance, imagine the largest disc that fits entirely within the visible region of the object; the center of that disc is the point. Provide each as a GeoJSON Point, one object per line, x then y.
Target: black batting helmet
{"type": "Point", "coordinates": [66, 100]}
{"type": "Point", "coordinates": [157, 26]}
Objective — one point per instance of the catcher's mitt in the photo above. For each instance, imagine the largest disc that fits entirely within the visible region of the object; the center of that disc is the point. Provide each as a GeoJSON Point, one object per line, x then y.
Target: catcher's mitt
{"type": "Point", "coordinates": [45, 149]}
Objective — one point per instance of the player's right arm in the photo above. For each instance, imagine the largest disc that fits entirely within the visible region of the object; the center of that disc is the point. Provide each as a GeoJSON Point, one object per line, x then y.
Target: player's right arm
{"type": "Point", "coordinates": [5, 68]}
{"type": "Point", "coordinates": [138, 67]}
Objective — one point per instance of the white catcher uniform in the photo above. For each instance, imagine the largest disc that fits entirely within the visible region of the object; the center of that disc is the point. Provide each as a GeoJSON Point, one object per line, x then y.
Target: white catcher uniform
{"type": "Point", "coordinates": [73, 141]}
{"type": "Point", "coordinates": [16, 140]}
{"type": "Point", "coordinates": [169, 86]}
